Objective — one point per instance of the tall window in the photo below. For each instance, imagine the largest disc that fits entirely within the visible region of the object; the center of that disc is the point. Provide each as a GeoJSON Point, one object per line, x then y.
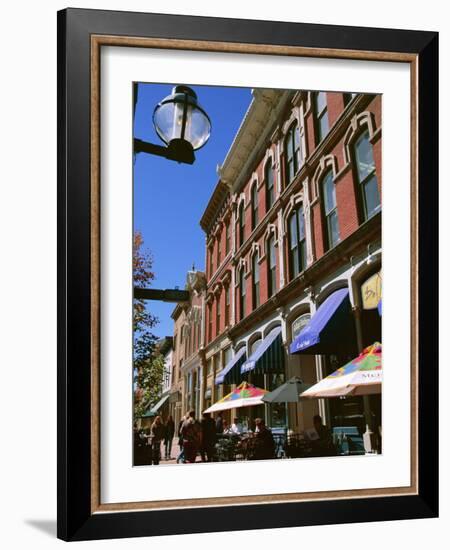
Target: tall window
{"type": "Point", "coordinates": [270, 190]}
{"type": "Point", "coordinates": [367, 179]}
{"type": "Point", "coordinates": [297, 243]}
{"type": "Point", "coordinates": [254, 206]}
{"type": "Point", "coordinates": [322, 126]}
{"type": "Point", "coordinates": [241, 224]}
{"type": "Point", "coordinates": [330, 210]}
{"type": "Point", "coordinates": [210, 335]}
{"type": "Point", "coordinates": [241, 294]}
{"type": "Point", "coordinates": [271, 267]}
{"type": "Point", "coordinates": [227, 305]}
{"type": "Point", "coordinates": [255, 281]}
{"type": "Point", "coordinates": [227, 238]}
{"type": "Point", "coordinates": [219, 251]}
{"type": "Point", "coordinates": [292, 145]}
{"type": "Point", "coordinates": [217, 315]}
{"type": "Point", "coordinates": [211, 266]}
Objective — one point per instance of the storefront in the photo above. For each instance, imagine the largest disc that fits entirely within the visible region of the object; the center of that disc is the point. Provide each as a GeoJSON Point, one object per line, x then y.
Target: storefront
{"type": "Point", "coordinates": [331, 334]}
{"type": "Point", "coordinates": [265, 368]}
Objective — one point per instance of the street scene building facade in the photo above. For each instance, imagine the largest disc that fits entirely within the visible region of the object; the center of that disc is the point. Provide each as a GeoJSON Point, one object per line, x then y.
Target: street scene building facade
{"type": "Point", "coordinates": [292, 248]}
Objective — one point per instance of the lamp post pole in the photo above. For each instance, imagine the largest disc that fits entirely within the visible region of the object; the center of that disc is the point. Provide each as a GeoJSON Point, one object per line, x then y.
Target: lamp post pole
{"type": "Point", "coordinates": [184, 126]}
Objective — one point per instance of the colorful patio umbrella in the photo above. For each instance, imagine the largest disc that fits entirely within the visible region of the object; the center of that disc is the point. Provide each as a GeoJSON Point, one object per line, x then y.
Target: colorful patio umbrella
{"type": "Point", "coordinates": [245, 395]}
{"type": "Point", "coordinates": [362, 376]}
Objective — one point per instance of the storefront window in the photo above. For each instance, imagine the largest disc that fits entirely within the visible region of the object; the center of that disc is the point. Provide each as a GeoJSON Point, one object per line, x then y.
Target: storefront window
{"type": "Point", "coordinates": [299, 324]}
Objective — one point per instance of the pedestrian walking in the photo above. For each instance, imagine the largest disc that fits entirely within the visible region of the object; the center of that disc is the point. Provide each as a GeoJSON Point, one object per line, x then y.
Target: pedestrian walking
{"type": "Point", "coordinates": [191, 432]}
{"type": "Point", "coordinates": [208, 443]}
{"type": "Point", "coordinates": [168, 437]}
{"type": "Point", "coordinates": [180, 457]}
{"type": "Point", "coordinates": [157, 432]}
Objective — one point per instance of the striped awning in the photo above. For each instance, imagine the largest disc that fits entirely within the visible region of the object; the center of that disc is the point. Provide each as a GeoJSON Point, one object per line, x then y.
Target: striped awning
{"type": "Point", "coordinates": [231, 373]}
{"type": "Point", "coordinates": [154, 410]}
{"type": "Point", "coordinates": [268, 357]}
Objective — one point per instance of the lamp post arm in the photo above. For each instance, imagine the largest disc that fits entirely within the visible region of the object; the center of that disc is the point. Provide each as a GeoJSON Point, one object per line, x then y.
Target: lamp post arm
{"type": "Point", "coordinates": [167, 295]}
{"type": "Point", "coordinates": [141, 146]}
{"type": "Point", "coordinates": [178, 150]}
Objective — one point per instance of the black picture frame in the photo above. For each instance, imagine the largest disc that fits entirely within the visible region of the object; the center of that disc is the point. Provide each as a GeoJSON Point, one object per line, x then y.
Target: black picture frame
{"type": "Point", "coordinates": [75, 518]}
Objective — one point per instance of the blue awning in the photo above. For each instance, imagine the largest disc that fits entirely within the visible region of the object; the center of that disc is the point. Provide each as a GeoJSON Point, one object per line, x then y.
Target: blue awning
{"type": "Point", "coordinates": [230, 374]}
{"type": "Point", "coordinates": [331, 330]}
{"type": "Point", "coordinates": [269, 356]}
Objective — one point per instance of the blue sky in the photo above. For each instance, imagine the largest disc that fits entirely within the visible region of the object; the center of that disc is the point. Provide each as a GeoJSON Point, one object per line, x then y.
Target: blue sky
{"type": "Point", "coordinates": [170, 198]}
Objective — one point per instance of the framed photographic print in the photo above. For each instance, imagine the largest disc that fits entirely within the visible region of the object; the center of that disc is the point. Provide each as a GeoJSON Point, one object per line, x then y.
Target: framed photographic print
{"type": "Point", "coordinates": [247, 274]}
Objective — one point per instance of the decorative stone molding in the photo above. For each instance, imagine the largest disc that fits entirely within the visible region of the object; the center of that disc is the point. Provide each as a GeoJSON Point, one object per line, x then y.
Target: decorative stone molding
{"type": "Point", "coordinates": [293, 117]}
{"type": "Point", "coordinates": [217, 288]}
{"type": "Point", "coordinates": [358, 123]}
{"type": "Point", "coordinates": [311, 293]}
{"type": "Point", "coordinates": [271, 229]}
{"type": "Point", "coordinates": [294, 201]}
{"type": "Point", "coordinates": [326, 162]}
{"type": "Point", "coordinates": [255, 249]}
{"type": "Point", "coordinates": [226, 279]}
{"type": "Point", "coordinates": [308, 103]}
{"type": "Point", "coordinates": [218, 228]}
{"type": "Point", "coordinates": [240, 199]}
{"type": "Point", "coordinates": [241, 265]}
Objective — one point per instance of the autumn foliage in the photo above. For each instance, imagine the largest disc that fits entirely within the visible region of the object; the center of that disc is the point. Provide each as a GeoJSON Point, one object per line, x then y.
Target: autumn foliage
{"type": "Point", "coordinates": [148, 363]}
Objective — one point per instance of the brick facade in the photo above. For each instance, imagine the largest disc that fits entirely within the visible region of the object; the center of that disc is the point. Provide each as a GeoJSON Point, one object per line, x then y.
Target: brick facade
{"type": "Point", "coordinates": [340, 117]}
{"type": "Point", "coordinates": [349, 116]}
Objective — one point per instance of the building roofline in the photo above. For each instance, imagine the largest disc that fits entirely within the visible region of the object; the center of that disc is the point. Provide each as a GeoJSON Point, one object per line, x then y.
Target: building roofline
{"type": "Point", "coordinates": [215, 202]}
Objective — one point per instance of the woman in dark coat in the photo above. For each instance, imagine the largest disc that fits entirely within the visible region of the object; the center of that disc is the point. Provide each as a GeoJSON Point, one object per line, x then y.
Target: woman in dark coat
{"type": "Point", "coordinates": [168, 438]}
{"type": "Point", "coordinates": [157, 432]}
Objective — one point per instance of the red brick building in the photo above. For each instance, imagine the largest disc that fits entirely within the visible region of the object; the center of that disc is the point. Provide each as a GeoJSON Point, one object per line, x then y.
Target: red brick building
{"type": "Point", "coordinates": [295, 217]}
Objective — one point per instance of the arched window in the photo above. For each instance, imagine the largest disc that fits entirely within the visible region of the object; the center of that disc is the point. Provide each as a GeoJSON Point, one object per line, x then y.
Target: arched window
{"type": "Point", "coordinates": [330, 210]}
{"type": "Point", "coordinates": [292, 146]}
{"type": "Point", "coordinates": [255, 345]}
{"type": "Point", "coordinates": [219, 249]}
{"type": "Point", "coordinates": [367, 179]}
{"type": "Point", "coordinates": [254, 202]}
{"type": "Point", "coordinates": [217, 315]}
{"type": "Point", "coordinates": [270, 190]}
{"type": "Point", "coordinates": [255, 281]}
{"type": "Point", "coordinates": [297, 242]}
{"type": "Point", "coordinates": [299, 324]}
{"type": "Point", "coordinates": [210, 335]}
{"type": "Point", "coordinates": [241, 224]}
{"type": "Point", "coordinates": [241, 294]}
{"type": "Point", "coordinates": [211, 261]}
{"type": "Point", "coordinates": [227, 238]}
{"type": "Point", "coordinates": [271, 267]}
{"type": "Point", "coordinates": [227, 305]}
{"type": "Point", "coordinates": [321, 111]}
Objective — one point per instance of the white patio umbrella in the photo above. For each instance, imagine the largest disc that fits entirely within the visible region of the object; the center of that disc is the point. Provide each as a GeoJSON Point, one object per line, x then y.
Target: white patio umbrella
{"type": "Point", "coordinates": [361, 376]}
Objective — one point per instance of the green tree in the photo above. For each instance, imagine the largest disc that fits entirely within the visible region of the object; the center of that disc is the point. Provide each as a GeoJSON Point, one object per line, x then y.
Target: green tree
{"type": "Point", "coordinates": [148, 363]}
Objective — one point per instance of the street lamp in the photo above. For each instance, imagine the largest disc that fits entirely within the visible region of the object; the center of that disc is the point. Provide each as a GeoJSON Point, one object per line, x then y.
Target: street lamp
{"type": "Point", "coordinates": [181, 123]}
